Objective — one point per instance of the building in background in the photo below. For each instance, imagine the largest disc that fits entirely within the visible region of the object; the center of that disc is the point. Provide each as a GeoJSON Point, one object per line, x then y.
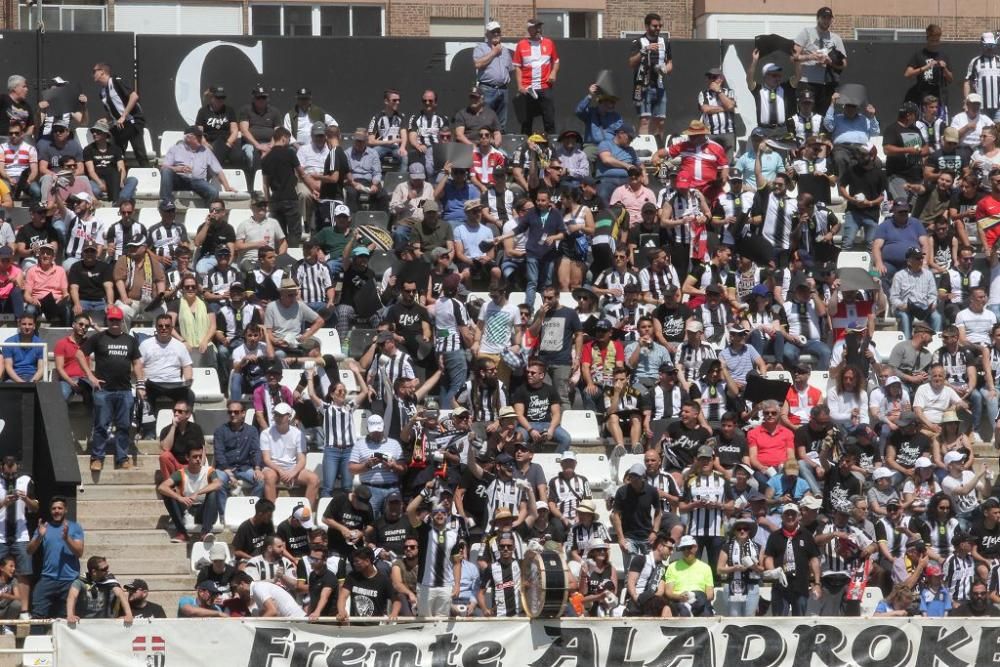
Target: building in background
{"type": "Point", "coordinates": [892, 20]}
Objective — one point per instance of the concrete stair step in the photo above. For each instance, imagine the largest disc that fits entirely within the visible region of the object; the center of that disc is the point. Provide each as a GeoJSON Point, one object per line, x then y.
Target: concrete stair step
{"type": "Point", "coordinates": [169, 599]}
{"type": "Point", "coordinates": [116, 552]}
{"type": "Point", "coordinates": [129, 568]}
{"type": "Point", "coordinates": [140, 538]}
{"type": "Point", "coordinates": [151, 447]}
{"type": "Point", "coordinates": [124, 492]}
{"type": "Point", "coordinates": [171, 582]}
{"type": "Point", "coordinates": [118, 515]}
{"type": "Point", "coordinates": [143, 473]}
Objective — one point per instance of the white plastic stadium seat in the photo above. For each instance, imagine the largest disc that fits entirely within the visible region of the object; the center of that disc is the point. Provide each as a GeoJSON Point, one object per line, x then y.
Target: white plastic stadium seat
{"type": "Point", "coordinates": [819, 379]}
{"type": "Point", "coordinates": [258, 182]}
{"type": "Point", "coordinates": [624, 463]}
{"type": "Point", "coordinates": [935, 344]}
{"type": "Point", "coordinates": [835, 198]}
{"type": "Point", "coordinates": [37, 651]}
{"type": "Point", "coordinates": [779, 375]}
{"type": "Point", "coordinates": [582, 426]}
{"type": "Point", "coordinates": [549, 463]}
{"type": "Point", "coordinates": [168, 139]}
{"type": "Point", "coordinates": [148, 178]}
{"type": "Point", "coordinates": [876, 141]}
{"type": "Point", "coordinates": [164, 417]}
{"type": "Point", "coordinates": [149, 216]}
{"type": "Point", "coordinates": [566, 299]}
{"type": "Point", "coordinates": [206, 385]}
{"type": "Point", "coordinates": [885, 341]}
{"type": "Point", "coordinates": [329, 343]}
{"type": "Point", "coordinates": [238, 215]}
{"type": "Point", "coordinates": [106, 215]}
{"type": "Point", "coordinates": [285, 505]}
{"type": "Point", "coordinates": [290, 378]}
{"type": "Point", "coordinates": [350, 382]}
{"type": "Point", "coordinates": [295, 253]}
{"type": "Point", "coordinates": [595, 468]}
{"type": "Point", "coordinates": [83, 136]}
{"type": "Point", "coordinates": [199, 554]}
{"type": "Point", "coordinates": [238, 182]}
{"type": "Point", "coordinates": [644, 146]}
{"type": "Point", "coordinates": [193, 218]}
{"type": "Point", "coordinates": [853, 259]}
{"type": "Point", "coordinates": [320, 509]}
{"type": "Point", "coordinates": [870, 600]}
{"type": "Point", "coordinates": [147, 139]}
{"type": "Point", "coordinates": [238, 510]}
{"type": "Point", "coordinates": [314, 462]}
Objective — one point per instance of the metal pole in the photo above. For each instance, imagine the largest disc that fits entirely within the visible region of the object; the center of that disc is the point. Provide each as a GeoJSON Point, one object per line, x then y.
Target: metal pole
{"type": "Point", "coordinates": [486, 12]}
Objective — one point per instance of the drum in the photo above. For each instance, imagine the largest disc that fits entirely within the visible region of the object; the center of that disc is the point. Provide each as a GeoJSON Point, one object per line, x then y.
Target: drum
{"type": "Point", "coordinates": [545, 582]}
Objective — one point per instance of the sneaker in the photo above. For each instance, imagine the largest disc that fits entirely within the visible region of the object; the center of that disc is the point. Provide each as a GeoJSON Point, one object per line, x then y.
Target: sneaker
{"type": "Point", "coordinates": [179, 538]}
{"type": "Point", "coordinates": [188, 521]}
{"type": "Point", "coordinates": [638, 448]}
{"type": "Point", "coordinates": [7, 630]}
{"type": "Point", "coordinates": [976, 438]}
{"type": "Point", "coordinates": [125, 465]}
{"type": "Point", "coordinates": [25, 616]}
{"type": "Point", "coordinates": [218, 527]}
{"type": "Point", "coordinates": [96, 465]}
{"type": "Point", "coordinates": [618, 452]}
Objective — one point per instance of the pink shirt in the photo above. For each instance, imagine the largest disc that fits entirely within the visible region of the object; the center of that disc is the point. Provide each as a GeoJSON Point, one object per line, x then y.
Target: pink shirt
{"type": "Point", "coordinates": [772, 448]}
{"type": "Point", "coordinates": [40, 283]}
{"type": "Point", "coordinates": [632, 201]}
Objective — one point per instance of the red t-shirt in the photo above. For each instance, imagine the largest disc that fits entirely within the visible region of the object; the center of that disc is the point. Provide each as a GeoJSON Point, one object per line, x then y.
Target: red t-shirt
{"type": "Point", "coordinates": [700, 163]}
{"type": "Point", "coordinates": [535, 61]}
{"type": "Point", "coordinates": [602, 364]}
{"type": "Point", "coordinates": [989, 207]}
{"type": "Point", "coordinates": [66, 348]}
{"type": "Point", "coordinates": [772, 448]}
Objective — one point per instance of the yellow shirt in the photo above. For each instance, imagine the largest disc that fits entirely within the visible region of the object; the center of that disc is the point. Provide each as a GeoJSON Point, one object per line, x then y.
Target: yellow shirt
{"type": "Point", "coordinates": [696, 577]}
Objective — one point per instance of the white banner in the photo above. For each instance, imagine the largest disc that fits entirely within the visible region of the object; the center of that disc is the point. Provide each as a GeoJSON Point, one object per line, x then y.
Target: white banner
{"type": "Point", "coordinates": [764, 642]}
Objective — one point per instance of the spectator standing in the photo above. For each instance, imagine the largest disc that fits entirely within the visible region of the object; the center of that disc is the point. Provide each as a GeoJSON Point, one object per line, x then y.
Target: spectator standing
{"type": "Point", "coordinates": [493, 62]}
{"type": "Point", "coordinates": [250, 535]}
{"type": "Point", "coordinates": [636, 515]}
{"type": "Point", "coordinates": [14, 105]}
{"type": "Point", "coordinates": [282, 170]}
{"type": "Point", "coordinates": [850, 130]}
{"type": "Point", "coordinates": [121, 103]}
{"type": "Point", "coordinates": [651, 61]}
{"type": "Point", "coordinates": [370, 592]}
{"type": "Point", "coordinates": [537, 62]}
{"type": "Point", "coordinates": [61, 542]}
{"type": "Point", "coordinates": [793, 552]}
{"type": "Point", "coordinates": [931, 71]}
{"type": "Point", "coordinates": [68, 369]}
{"type": "Point", "coordinates": [440, 540]}
{"type": "Point", "coordinates": [377, 461]}
{"type": "Point", "coordinates": [983, 76]}
{"type": "Point", "coordinates": [823, 58]}
{"type": "Point", "coordinates": [775, 99]}
{"type": "Point", "coordinates": [561, 341]}
{"type": "Point", "coordinates": [17, 501]}
{"type": "Point", "coordinates": [167, 364]}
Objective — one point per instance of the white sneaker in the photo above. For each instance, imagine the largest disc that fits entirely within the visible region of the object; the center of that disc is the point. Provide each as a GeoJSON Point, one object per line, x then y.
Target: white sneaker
{"type": "Point", "coordinates": [976, 438]}
{"type": "Point", "coordinates": [218, 527]}
{"type": "Point", "coordinates": [25, 616]}
{"type": "Point", "coordinates": [189, 523]}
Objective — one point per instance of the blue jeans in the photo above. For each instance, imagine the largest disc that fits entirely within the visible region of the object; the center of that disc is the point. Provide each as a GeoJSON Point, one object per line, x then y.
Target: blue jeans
{"type": "Point", "coordinates": [496, 99]}
{"type": "Point", "coordinates": [336, 267]}
{"type": "Point", "coordinates": [14, 303]}
{"type": "Point", "coordinates": [787, 603]}
{"type": "Point", "coordinates": [906, 321]}
{"type": "Point", "coordinates": [245, 475]}
{"type": "Point", "coordinates": [979, 400]}
{"type": "Point", "coordinates": [236, 387]}
{"type": "Point", "coordinates": [48, 600]}
{"type": "Point", "coordinates": [169, 182]}
{"type": "Point", "coordinates": [561, 436]}
{"type": "Point", "coordinates": [329, 314]}
{"type": "Point", "coordinates": [853, 221]}
{"type": "Point", "coordinates": [112, 408]}
{"type": "Point", "coordinates": [608, 184]}
{"type": "Point", "coordinates": [747, 607]}
{"type": "Point", "coordinates": [775, 346]}
{"type": "Point", "coordinates": [378, 498]}
{"type": "Point", "coordinates": [816, 348]}
{"type": "Point", "coordinates": [207, 513]}
{"type": "Point", "coordinates": [335, 460]}
{"type": "Point", "coordinates": [456, 370]}
{"type": "Point", "coordinates": [809, 477]}
{"type": "Point", "coordinates": [384, 151]}
{"type": "Point", "coordinates": [654, 103]}
{"type": "Point", "coordinates": [539, 275]}
{"type": "Point", "coordinates": [205, 264]}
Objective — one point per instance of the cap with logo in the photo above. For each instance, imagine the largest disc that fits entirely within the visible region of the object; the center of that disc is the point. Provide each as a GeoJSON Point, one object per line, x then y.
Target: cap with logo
{"type": "Point", "coordinates": [375, 424]}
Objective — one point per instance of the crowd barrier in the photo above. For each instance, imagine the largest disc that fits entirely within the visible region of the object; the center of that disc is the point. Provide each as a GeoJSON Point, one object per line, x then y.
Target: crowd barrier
{"type": "Point", "coordinates": [714, 642]}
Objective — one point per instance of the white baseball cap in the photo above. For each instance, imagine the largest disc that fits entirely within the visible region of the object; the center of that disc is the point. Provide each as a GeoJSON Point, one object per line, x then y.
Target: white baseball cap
{"type": "Point", "coordinates": [283, 409]}
{"type": "Point", "coordinates": [492, 25]}
{"type": "Point", "coordinates": [953, 457]}
{"type": "Point", "coordinates": [340, 209]}
{"type": "Point", "coordinates": [923, 462]}
{"type": "Point", "coordinates": [687, 541]}
{"type": "Point", "coordinates": [974, 98]}
{"type": "Point", "coordinates": [375, 424]}
{"type": "Point", "coordinates": [881, 473]}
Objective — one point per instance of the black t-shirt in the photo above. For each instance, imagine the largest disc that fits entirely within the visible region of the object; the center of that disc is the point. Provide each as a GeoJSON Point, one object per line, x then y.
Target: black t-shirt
{"type": "Point", "coordinates": [537, 402]}
{"type": "Point", "coordinates": [11, 110]}
{"type": "Point", "coordinates": [636, 510]}
{"type": "Point", "coordinates": [408, 319]}
{"type": "Point", "coordinates": [804, 548]}
{"type": "Point", "coordinates": [113, 357]}
{"type": "Point", "coordinates": [216, 237]}
{"type": "Point", "coordinates": [343, 512]}
{"type": "Point", "coordinates": [839, 487]}
{"type": "Point", "coordinates": [370, 596]}
{"type": "Point", "coordinates": [221, 579]}
{"type": "Point", "coordinates": [250, 538]}
{"type": "Point", "coordinates": [32, 236]}
{"type": "Point", "coordinates": [554, 531]}
{"type": "Point", "coordinates": [909, 447]}
{"type": "Point", "coordinates": [811, 440]}
{"type": "Point", "coordinates": [296, 539]}
{"type": "Point", "coordinates": [90, 280]}
{"type": "Point", "coordinates": [953, 160]}
{"type": "Point", "coordinates": [336, 163]}
{"type": "Point", "coordinates": [184, 442]}
{"type": "Point", "coordinates": [731, 452]}
{"type": "Point", "coordinates": [684, 443]}
{"type": "Point", "coordinates": [280, 165]}
{"type": "Point", "coordinates": [929, 82]}
{"type": "Point", "coordinates": [987, 540]}
{"type": "Point", "coordinates": [215, 124]}
{"type": "Point", "coordinates": [673, 320]}
{"type": "Point", "coordinates": [640, 237]}
{"type": "Point", "coordinates": [105, 161]}
{"type": "Point", "coordinates": [869, 182]}
{"type": "Point", "coordinates": [392, 534]}
{"type": "Point", "coordinates": [906, 165]}
{"type": "Point", "coordinates": [149, 610]}
{"type": "Point", "coordinates": [317, 582]}
{"type": "Point", "coordinates": [354, 282]}
{"type": "Point", "coordinates": [474, 499]}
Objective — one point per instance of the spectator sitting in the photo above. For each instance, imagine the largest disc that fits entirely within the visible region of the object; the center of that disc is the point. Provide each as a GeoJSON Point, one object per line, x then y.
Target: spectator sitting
{"type": "Point", "coordinates": [451, 192]}
{"type": "Point", "coordinates": [179, 438]}
{"type": "Point", "coordinates": [203, 604]}
{"type": "Point", "coordinates": [194, 326]}
{"type": "Point", "coordinates": [91, 283]}
{"type": "Point", "coordinates": [283, 449]}
{"type": "Point", "coordinates": [71, 374]}
{"type": "Point", "coordinates": [96, 595]}
{"type": "Point", "coordinates": [46, 288]}
{"type": "Point", "coordinates": [269, 394]}
{"type": "Point", "coordinates": [11, 283]}
{"type": "Point", "coordinates": [24, 364]}
{"type": "Point", "coordinates": [600, 120]}
{"type": "Point", "coordinates": [138, 602]}
{"type": "Point", "coordinates": [212, 235]}
{"type": "Point", "coordinates": [365, 178]}
{"type": "Point", "coordinates": [294, 533]}
{"type": "Point", "coordinates": [139, 279]}
{"type": "Point", "coordinates": [217, 569]}
{"type": "Point", "coordinates": [237, 454]}
{"type": "Point", "coordinates": [188, 165]}
{"type": "Point", "coordinates": [192, 496]}
{"type": "Point", "coordinates": [257, 234]}
{"type": "Point", "coordinates": [633, 194]}
{"type": "Point", "coordinates": [250, 535]}
{"type": "Point", "coordinates": [249, 361]}
{"type": "Point", "coordinates": [688, 583]}
{"type": "Point", "coordinates": [614, 158]}
{"type": "Point", "coordinates": [285, 322]}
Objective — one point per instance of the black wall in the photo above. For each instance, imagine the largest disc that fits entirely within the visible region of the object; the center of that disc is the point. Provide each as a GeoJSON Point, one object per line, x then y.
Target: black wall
{"type": "Point", "coordinates": [347, 75]}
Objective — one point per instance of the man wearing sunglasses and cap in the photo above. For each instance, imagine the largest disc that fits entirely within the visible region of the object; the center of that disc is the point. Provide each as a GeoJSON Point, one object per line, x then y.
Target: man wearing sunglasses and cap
{"type": "Point", "coordinates": [218, 122]}
{"type": "Point", "coordinates": [257, 122]}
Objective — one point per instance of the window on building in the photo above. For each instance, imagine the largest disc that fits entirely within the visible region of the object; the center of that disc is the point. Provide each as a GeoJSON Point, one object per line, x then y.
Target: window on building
{"type": "Point", "coordinates": [325, 21]}
{"type": "Point", "coordinates": [889, 35]}
{"type": "Point", "coordinates": [79, 17]}
{"type": "Point", "coordinates": [582, 25]}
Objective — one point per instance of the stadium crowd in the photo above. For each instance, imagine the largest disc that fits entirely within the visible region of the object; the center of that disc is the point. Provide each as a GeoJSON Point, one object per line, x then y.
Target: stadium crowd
{"type": "Point", "coordinates": [697, 299]}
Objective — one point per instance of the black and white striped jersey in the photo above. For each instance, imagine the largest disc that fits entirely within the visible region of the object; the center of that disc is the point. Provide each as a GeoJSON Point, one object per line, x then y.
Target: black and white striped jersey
{"type": "Point", "coordinates": [338, 424]}
{"type": "Point", "coordinates": [959, 573]}
{"type": "Point", "coordinates": [692, 357]}
{"type": "Point", "coordinates": [711, 488]}
{"type": "Point", "coordinates": [217, 281]}
{"type": "Point", "coordinates": [483, 402]}
{"type": "Point", "coordinates": [314, 280]}
{"type": "Point", "coordinates": [505, 580]}
{"type": "Point", "coordinates": [984, 76]}
{"type": "Point", "coordinates": [711, 397]}
{"type": "Point", "coordinates": [832, 560]}
{"type": "Point", "coordinates": [384, 371]}
{"type": "Point", "coordinates": [664, 481]}
{"type": "Point", "coordinates": [427, 127]}
{"type": "Point", "coordinates": [120, 233]}
{"type": "Point", "coordinates": [500, 493]}
{"type": "Point", "coordinates": [656, 283]}
{"type": "Point", "coordinates": [163, 239]}
{"type": "Point", "coordinates": [567, 493]}
{"type": "Point", "coordinates": [79, 232]}
{"type": "Point", "coordinates": [720, 122]}
{"type": "Point", "coordinates": [386, 127]}
{"type": "Point", "coordinates": [667, 403]}
{"type": "Point", "coordinates": [449, 316]}
{"type": "Point", "coordinates": [613, 279]}
{"type": "Point", "coordinates": [931, 132]}
{"type": "Point", "coordinates": [580, 536]}
{"type": "Point", "coordinates": [436, 548]}
{"type": "Point", "coordinates": [265, 570]}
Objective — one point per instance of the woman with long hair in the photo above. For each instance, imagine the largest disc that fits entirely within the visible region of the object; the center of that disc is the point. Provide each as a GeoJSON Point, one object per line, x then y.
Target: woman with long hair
{"type": "Point", "coordinates": [739, 563]}
{"type": "Point", "coordinates": [897, 603]}
{"type": "Point", "coordinates": [598, 580]}
{"type": "Point", "coordinates": [574, 247]}
{"type": "Point", "coordinates": [193, 324]}
{"type": "Point", "coordinates": [848, 400]}
{"type": "Point", "coordinates": [950, 440]}
{"type": "Point", "coordinates": [767, 325]}
{"type": "Point", "coordinates": [942, 526]}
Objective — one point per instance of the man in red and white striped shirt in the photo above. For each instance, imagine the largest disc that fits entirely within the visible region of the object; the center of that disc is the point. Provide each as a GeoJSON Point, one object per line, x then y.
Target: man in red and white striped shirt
{"type": "Point", "coordinates": [702, 160]}
{"type": "Point", "coordinates": [537, 62]}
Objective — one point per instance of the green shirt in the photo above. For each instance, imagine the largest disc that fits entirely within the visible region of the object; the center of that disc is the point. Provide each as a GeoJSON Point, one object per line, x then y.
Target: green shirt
{"type": "Point", "coordinates": [696, 577]}
{"type": "Point", "coordinates": [332, 242]}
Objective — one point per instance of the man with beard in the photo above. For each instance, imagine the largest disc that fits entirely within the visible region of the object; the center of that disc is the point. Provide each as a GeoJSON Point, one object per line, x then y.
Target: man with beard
{"type": "Point", "coordinates": [138, 602]}
{"type": "Point", "coordinates": [97, 595]}
{"type": "Point", "coordinates": [843, 548]}
{"type": "Point", "coordinates": [842, 482]}
{"type": "Point", "coordinates": [809, 444]}
{"type": "Point", "coordinates": [683, 438]}
{"type": "Point", "coordinates": [410, 319]}
{"type": "Point", "coordinates": [978, 604]}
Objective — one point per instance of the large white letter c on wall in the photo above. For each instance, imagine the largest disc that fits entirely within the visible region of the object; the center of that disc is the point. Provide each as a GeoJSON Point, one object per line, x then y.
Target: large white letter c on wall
{"type": "Point", "coordinates": [187, 85]}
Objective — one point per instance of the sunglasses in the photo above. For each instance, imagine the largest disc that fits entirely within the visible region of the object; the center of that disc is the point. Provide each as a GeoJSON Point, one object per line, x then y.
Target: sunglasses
{"type": "Point", "coordinates": [770, 412]}
{"type": "Point", "coordinates": [216, 210]}
{"type": "Point", "coordinates": [180, 412]}
{"type": "Point", "coordinates": [506, 547]}
{"type": "Point", "coordinates": [235, 412]}
{"type": "Point", "coordinates": [165, 327]}
{"type": "Point", "coordinates": [190, 288]}
{"type": "Point", "coordinates": [15, 134]}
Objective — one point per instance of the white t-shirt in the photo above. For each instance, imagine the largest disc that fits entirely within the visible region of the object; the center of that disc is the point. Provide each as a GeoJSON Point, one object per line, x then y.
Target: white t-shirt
{"type": "Point", "coordinates": [284, 448]}
{"type": "Point", "coordinates": [972, 139]}
{"type": "Point", "coordinates": [262, 591]}
{"type": "Point", "coordinates": [934, 404]}
{"type": "Point", "coordinates": [977, 325]}
{"type": "Point", "coordinates": [163, 362]}
{"type": "Point", "coordinates": [498, 322]}
{"type": "Point", "coordinates": [963, 502]}
{"type": "Point", "coordinates": [520, 240]}
{"type": "Point", "coordinates": [250, 231]}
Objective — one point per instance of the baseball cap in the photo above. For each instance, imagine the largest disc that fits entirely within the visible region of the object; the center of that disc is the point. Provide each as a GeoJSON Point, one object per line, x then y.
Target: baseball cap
{"type": "Point", "coordinates": [974, 98]}
{"type": "Point", "coordinates": [318, 128]}
{"type": "Point", "coordinates": [167, 206]}
{"type": "Point", "coordinates": [375, 424]}
{"type": "Point", "coordinates": [384, 337]}
{"type": "Point", "coordinates": [771, 67]}
{"type": "Point", "coordinates": [687, 541]}
{"type": "Point", "coordinates": [193, 129]}
{"type": "Point", "coordinates": [303, 92]}
{"type": "Point", "coordinates": [535, 21]}
{"type": "Point", "coordinates": [950, 134]}
{"type": "Point", "coordinates": [636, 469]}
{"type": "Point", "coordinates": [694, 325]}
{"type": "Point", "coordinates": [907, 417]}
{"type": "Point", "coordinates": [988, 39]}
{"type": "Point", "coordinates": [217, 552]}
{"type": "Point", "coordinates": [924, 462]}
{"type": "Point", "coordinates": [138, 584]}
{"type": "Point", "coordinates": [932, 571]}
{"type": "Point", "coordinates": [416, 170]}
{"type": "Point", "coordinates": [395, 497]}
{"type": "Point", "coordinates": [114, 313]}
{"type": "Point", "coordinates": [603, 324]}
{"type": "Point", "coordinates": [918, 325]}
{"type": "Point", "coordinates": [283, 409]}
{"type": "Point", "coordinates": [953, 457]}
{"type": "Point", "coordinates": [217, 91]}
{"type": "Point", "coordinates": [362, 493]}
{"type": "Point", "coordinates": [210, 586]}
{"type": "Point", "coordinates": [901, 204]}
{"type": "Point", "coordinates": [915, 251]}
{"type": "Point", "coordinates": [303, 515]}
{"type": "Point", "coordinates": [790, 507]}
{"type": "Point", "coordinates": [431, 206]}
{"type": "Point", "coordinates": [341, 209]}
{"type": "Point", "coordinates": [568, 455]}
{"type": "Point", "coordinates": [493, 25]}
{"type": "Point", "coordinates": [505, 460]}
{"type": "Point", "coordinates": [259, 91]}
{"type": "Point", "coordinates": [705, 452]}
{"type": "Point", "coordinates": [5, 251]}
{"type": "Point", "coordinates": [460, 411]}
{"type": "Point", "coordinates": [502, 513]}
{"type": "Point", "coordinates": [881, 473]}
{"type": "Point", "coordinates": [627, 129]}
{"type": "Point", "coordinates": [361, 251]}
{"type": "Point", "coordinates": [810, 503]}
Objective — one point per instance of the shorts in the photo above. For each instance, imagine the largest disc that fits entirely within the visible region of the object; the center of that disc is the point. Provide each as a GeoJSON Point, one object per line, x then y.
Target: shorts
{"type": "Point", "coordinates": [19, 550]}
{"type": "Point", "coordinates": [654, 103]}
